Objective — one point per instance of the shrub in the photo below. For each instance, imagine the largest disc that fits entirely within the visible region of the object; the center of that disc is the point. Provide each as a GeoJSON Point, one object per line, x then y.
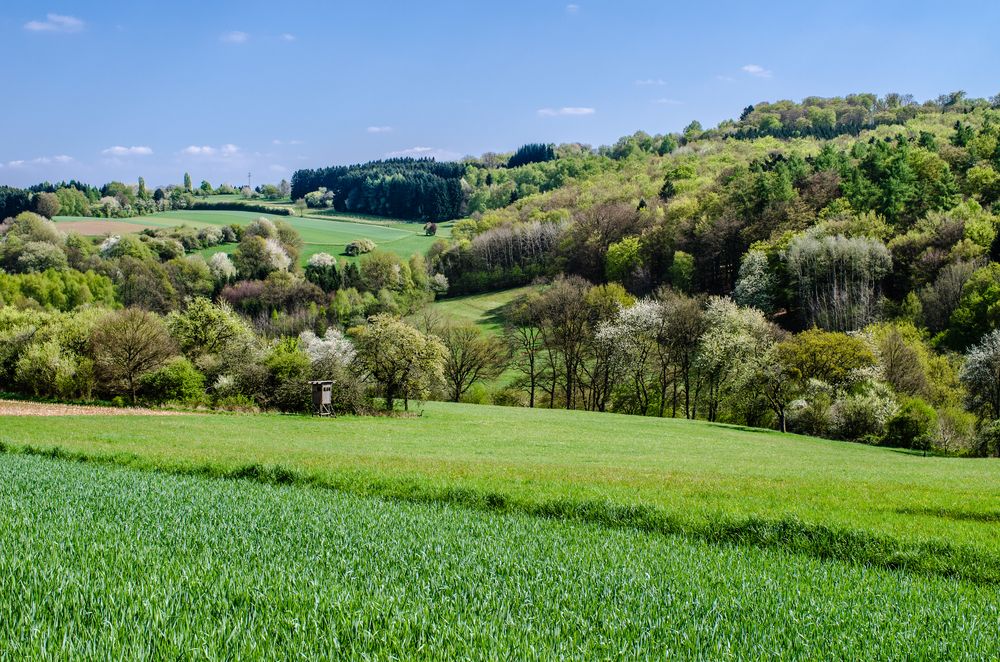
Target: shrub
{"type": "Point", "coordinates": [44, 369]}
{"type": "Point", "coordinates": [912, 426]}
{"type": "Point", "coordinates": [177, 381]}
{"type": "Point", "coordinates": [359, 246]}
{"type": "Point", "coordinates": [862, 416]}
{"type": "Point", "coordinates": [510, 397]}
{"type": "Point", "coordinates": [988, 439]}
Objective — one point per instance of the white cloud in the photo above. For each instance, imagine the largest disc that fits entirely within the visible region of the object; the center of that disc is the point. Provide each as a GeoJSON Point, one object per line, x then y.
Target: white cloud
{"type": "Point", "coordinates": [121, 150]}
{"type": "Point", "coordinates": [756, 70]}
{"type": "Point", "coordinates": [41, 160]}
{"type": "Point", "coordinates": [379, 129]}
{"type": "Point", "coordinates": [650, 81]}
{"type": "Point", "coordinates": [667, 102]}
{"type": "Point", "coordinates": [572, 9]}
{"type": "Point", "coordinates": [55, 23]}
{"type": "Point", "coordinates": [277, 168]}
{"type": "Point", "coordinates": [235, 37]}
{"type": "Point", "coordinates": [425, 153]}
{"type": "Point", "coordinates": [196, 150]}
{"type": "Point", "coordinates": [278, 141]}
{"type": "Point", "coordinates": [565, 111]}
{"type": "Point", "coordinates": [223, 152]}
{"type": "Point", "coordinates": [727, 79]}
{"type": "Point", "coordinates": [287, 36]}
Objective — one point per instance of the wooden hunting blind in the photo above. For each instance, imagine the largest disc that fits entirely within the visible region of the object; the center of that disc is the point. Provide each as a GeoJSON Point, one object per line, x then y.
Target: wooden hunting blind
{"type": "Point", "coordinates": [322, 392]}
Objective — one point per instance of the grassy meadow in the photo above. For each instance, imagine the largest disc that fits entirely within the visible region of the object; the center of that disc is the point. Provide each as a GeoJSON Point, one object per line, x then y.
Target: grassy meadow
{"type": "Point", "coordinates": [320, 234]}
{"type": "Point", "coordinates": [484, 310]}
{"type": "Point", "coordinates": [113, 563]}
{"type": "Point", "coordinates": [826, 499]}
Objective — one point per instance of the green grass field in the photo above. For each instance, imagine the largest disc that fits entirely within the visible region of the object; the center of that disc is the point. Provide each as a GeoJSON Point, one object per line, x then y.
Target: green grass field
{"type": "Point", "coordinates": [828, 499]}
{"type": "Point", "coordinates": [484, 310]}
{"type": "Point", "coordinates": [111, 563]}
{"type": "Point", "coordinates": [320, 234]}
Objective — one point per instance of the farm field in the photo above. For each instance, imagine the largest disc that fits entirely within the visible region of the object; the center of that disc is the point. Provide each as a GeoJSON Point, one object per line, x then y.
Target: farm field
{"type": "Point", "coordinates": [320, 234]}
{"type": "Point", "coordinates": [114, 563]}
{"type": "Point", "coordinates": [827, 499]}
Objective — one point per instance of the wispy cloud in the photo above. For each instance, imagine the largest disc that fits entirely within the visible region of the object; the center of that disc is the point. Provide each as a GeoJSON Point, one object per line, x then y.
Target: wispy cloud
{"type": "Point", "coordinates": [278, 141]}
{"type": "Point", "coordinates": [425, 153]}
{"type": "Point", "coordinates": [121, 150]}
{"type": "Point", "coordinates": [235, 37]}
{"type": "Point", "coordinates": [566, 111]}
{"type": "Point", "coordinates": [650, 81]}
{"type": "Point", "coordinates": [41, 160]}
{"type": "Point", "coordinates": [572, 9]}
{"type": "Point", "coordinates": [55, 23]}
{"type": "Point", "coordinates": [224, 151]}
{"type": "Point", "coordinates": [756, 70]}
{"type": "Point", "coordinates": [667, 102]}
{"type": "Point", "coordinates": [727, 79]}
{"type": "Point", "coordinates": [288, 36]}
{"type": "Point", "coordinates": [379, 129]}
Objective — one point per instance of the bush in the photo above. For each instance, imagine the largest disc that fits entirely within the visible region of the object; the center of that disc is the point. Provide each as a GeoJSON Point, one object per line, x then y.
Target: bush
{"type": "Point", "coordinates": [862, 416]}
{"type": "Point", "coordinates": [988, 439]}
{"type": "Point", "coordinates": [359, 246]}
{"type": "Point", "coordinates": [510, 397]}
{"type": "Point", "coordinates": [44, 369]}
{"type": "Point", "coordinates": [912, 426]}
{"type": "Point", "coordinates": [177, 381]}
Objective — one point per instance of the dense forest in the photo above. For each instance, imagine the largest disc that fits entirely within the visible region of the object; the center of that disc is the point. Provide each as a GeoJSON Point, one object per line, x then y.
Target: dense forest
{"type": "Point", "coordinates": [410, 189]}
{"type": "Point", "coordinates": [827, 267]}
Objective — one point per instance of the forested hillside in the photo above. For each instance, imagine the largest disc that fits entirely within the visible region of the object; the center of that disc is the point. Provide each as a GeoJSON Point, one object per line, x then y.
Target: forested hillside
{"type": "Point", "coordinates": [826, 267]}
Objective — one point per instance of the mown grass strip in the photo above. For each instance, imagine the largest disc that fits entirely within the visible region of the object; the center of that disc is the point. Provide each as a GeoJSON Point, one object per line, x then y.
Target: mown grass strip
{"type": "Point", "coordinates": [790, 534]}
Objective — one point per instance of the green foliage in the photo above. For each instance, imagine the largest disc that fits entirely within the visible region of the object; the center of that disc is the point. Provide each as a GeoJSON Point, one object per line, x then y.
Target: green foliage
{"type": "Point", "coordinates": [830, 357]}
{"type": "Point", "coordinates": [912, 426]}
{"type": "Point", "coordinates": [682, 272]}
{"type": "Point", "coordinates": [533, 153]}
{"type": "Point", "coordinates": [412, 189]}
{"type": "Point", "coordinates": [60, 290]}
{"type": "Point", "coordinates": [176, 381]}
{"type": "Point", "coordinates": [399, 360]}
{"type": "Point", "coordinates": [622, 259]}
{"type": "Point", "coordinates": [978, 309]}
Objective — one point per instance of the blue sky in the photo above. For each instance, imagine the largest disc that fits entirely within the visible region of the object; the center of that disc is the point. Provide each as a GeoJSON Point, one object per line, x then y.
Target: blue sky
{"type": "Point", "coordinates": [114, 90]}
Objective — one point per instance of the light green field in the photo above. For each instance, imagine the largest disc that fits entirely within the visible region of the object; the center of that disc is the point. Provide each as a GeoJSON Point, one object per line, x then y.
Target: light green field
{"type": "Point", "coordinates": [823, 498]}
{"type": "Point", "coordinates": [319, 234]}
{"type": "Point", "coordinates": [484, 310]}
{"type": "Point", "coordinates": [110, 563]}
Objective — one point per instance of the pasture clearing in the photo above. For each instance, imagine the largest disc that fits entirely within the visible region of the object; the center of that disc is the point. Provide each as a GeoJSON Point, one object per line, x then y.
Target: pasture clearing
{"type": "Point", "coordinates": [828, 499]}
{"type": "Point", "coordinates": [320, 235]}
{"type": "Point", "coordinates": [483, 310]}
{"type": "Point", "coordinates": [113, 563]}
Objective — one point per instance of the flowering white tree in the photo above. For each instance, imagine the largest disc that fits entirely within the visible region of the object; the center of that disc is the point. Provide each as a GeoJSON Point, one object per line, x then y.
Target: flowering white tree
{"type": "Point", "coordinates": [332, 348]}
{"type": "Point", "coordinates": [108, 245]}
{"type": "Point", "coordinates": [277, 256]}
{"type": "Point", "coordinates": [981, 377]}
{"type": "Point", "coordinates": [221, 267]}
{"type": "Point", "coordinates": [731, 350]}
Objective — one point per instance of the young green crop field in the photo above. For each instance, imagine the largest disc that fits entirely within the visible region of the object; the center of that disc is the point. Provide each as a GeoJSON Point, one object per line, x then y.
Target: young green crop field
{"type": "Point", "coordinates": [328, 234]}
{"type": "Point", "coordinates": [931, 516]}
{"type": "Point", "coordinates": [110, 563]}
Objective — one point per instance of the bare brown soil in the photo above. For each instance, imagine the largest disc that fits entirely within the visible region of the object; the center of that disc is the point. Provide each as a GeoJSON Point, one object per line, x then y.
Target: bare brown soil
{"type": "Point", "coordinates": [101, 228]}
{"type": "Point", "coordinates": [19, 408]}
